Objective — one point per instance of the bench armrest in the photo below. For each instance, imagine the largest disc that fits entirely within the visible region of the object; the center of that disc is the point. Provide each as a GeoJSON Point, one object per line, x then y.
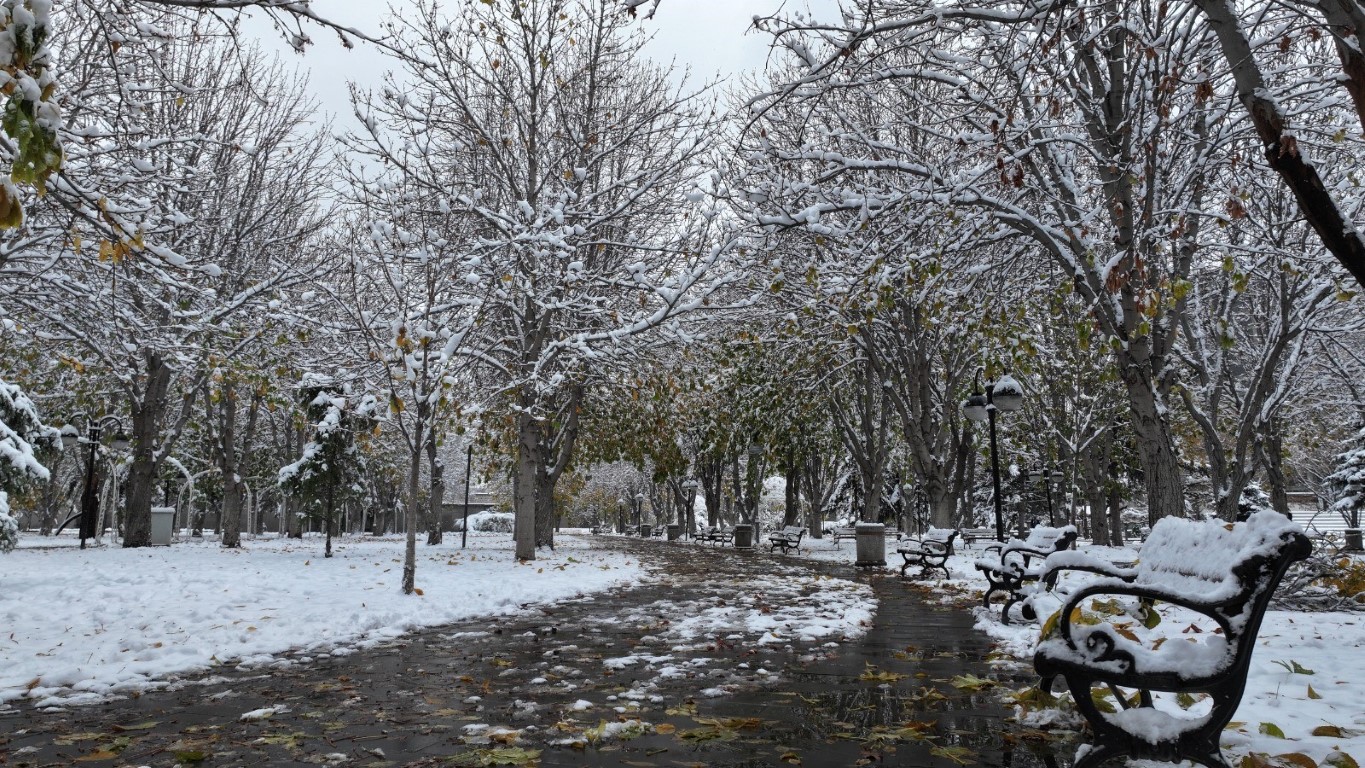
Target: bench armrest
{"type": "Point", "coordinates": [1147, 591]}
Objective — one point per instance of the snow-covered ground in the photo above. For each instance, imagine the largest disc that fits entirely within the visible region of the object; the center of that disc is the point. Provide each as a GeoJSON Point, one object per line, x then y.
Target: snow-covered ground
{"type": "Point", "coordinates": [82, 626]}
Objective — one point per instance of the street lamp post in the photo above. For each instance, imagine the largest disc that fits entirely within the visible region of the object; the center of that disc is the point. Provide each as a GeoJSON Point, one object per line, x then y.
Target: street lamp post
{"type": "Point", "coordinates": [71, 436]}
{"type": "Point", "coordinates": [1004, 394]}
{"type": "Point", "coordinates": [1048, 479]}
{"type": "Point", "coordinates": [689, 518]}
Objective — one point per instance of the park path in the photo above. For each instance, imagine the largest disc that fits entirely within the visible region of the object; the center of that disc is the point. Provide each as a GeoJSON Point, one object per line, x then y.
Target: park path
{"type": "Point", "coordinates": [570, 680]}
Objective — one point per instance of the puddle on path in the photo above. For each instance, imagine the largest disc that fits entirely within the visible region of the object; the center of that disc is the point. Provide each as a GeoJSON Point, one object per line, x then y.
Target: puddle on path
{"type": "Point", "coordinates": [567, 673]}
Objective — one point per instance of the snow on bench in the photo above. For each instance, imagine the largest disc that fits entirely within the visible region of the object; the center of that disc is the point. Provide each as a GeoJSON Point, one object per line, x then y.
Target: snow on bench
{"type": "Point", "coordinates": [1225, 573]}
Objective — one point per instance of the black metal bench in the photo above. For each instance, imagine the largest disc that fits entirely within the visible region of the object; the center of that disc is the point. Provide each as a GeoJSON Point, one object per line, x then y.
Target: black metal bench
{"type": "Point", "coordinates": [973, 535]}
{"type": "Point", "coordinates": [1019, 562]}
{"type": "Point", "coordinates": [1223, 573]}
{"type": "Point", "coordinates": [717, 535]}
{"type": "Point", "coordinates": [844, 532]}
{"type": "Point", "coordinates": [787, 538]}
{"type": "Point", "coordinates": [931, 550]}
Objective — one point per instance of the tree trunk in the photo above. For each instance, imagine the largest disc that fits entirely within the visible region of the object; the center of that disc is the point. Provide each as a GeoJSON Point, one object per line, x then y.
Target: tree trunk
{"type": "Point", "coordinates": [225, 454]}
{"type": "Point", "coordinates": [147, 416]}
{"type": "Point", "coordinates": [52, 495]}
{"type": "Point", "coordinates": [1164, 480]}
{"type": "Point", "coordinates": [414, 500]}
{"type": "Point", "coordinates": [524, 482]}
{"type": "Point", "coordinates": [791, 511]}
{"type": "Point", "coordinates": [710, 472]}
{"type": "Point", "coordinates": [1115, 514]}
{"type": "Point", "coordinates": [436, 468]}
{"type": "Point", "coordinates": [293, 523]}
{"type": "Point", "coordinates": [545, 506]}
{"type": "Point", "coordinates": [1270, 455]}
{"type": "Point", "coordinates": [942, 501]}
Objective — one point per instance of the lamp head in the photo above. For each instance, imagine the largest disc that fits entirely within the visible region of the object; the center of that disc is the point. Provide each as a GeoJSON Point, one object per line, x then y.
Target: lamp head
{"type": "Point", "coordinates": [70, 436]}
{"type": "Point", "coordinates": [1007, 395]}
{"type": "Point", "coordinates": [974, 407]}
{"type": "Point", "coordinates": [120, 441]}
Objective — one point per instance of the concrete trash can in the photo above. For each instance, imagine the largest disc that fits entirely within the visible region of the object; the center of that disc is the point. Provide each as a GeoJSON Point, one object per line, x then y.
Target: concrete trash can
{"type": "Point", "coordinates": [744, 536]}
{"type": "Point", "coordinates": [163, 522]}
{"type": "Point", "coordinates": [644, 531]}
{"type": "Point", "coordinates": [674, 531]}
{"type": "Point", "coordinates": [871, 539]}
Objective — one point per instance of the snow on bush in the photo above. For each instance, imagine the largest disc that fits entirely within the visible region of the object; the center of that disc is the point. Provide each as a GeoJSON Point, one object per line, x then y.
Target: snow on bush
{"type": "Point", "coordinates": [487, 522]}
{"type": "Point", "coordinates": [9, 527]}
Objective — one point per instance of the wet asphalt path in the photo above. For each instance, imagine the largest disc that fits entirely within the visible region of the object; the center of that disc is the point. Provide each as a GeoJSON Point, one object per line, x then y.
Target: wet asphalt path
{"type": "Point", "coordinates": [572, 685]}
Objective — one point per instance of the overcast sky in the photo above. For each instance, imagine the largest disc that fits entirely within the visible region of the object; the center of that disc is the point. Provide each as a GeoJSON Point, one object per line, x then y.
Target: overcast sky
{"type": "Point", "coordinates": [712, 37]}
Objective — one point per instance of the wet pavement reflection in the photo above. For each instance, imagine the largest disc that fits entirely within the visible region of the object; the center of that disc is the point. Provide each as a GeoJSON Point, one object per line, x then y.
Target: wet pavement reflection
{"type": "Point", "coordinates": [596, 681]}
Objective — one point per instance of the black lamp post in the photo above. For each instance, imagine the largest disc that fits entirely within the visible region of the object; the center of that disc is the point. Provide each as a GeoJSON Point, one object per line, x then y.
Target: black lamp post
{"type": "Point", "coordinates": [689, 516]}
{"type": "Point", "coordinates": [468, 466]}
{"type": "Point", "coordinates": [1048, 479]}
{"type": "Point", "coordinates": [71, 436]}
{"type": "Point", "coordinates": [1004, 394]}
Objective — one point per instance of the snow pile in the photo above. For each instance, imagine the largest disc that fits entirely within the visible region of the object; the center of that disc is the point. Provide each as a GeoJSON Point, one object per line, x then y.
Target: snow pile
{"type": "Point", "coordinates": [82, 626]}
{"type": "Point", "coordinates": [487, 522]}
{"type": "Point", "coordinates": [780, 609]}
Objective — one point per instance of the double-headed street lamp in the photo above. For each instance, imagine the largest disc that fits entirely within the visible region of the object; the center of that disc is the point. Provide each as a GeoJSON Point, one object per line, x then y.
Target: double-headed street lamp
{"type": "Point", "coordinates": [1003, 394]}
{"type": "Point", "coordinates": [71, 436]}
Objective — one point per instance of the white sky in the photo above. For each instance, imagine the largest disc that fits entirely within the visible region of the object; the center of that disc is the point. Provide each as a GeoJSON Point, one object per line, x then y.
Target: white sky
{"type": "Point", "coordinates": [711, 37]}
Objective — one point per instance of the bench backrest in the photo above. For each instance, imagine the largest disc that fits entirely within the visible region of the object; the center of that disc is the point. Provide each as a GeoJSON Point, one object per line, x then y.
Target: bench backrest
{"type": "Point", "coordinates": [793, 530]}
{"type": "Point", "coordinates": [1238, 565]}
{"type": "Point", "coordinates": [1044, 539]}
{"type": "Point", "coordinates": [941, 535]}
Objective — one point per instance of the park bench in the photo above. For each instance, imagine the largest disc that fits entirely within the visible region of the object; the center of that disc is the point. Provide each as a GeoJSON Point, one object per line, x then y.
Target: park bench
{"type": "Point", "coordinates": [716, 535]}
{"type": "Point", "coordinates": [1213, 571]}
{"type": "Point", "coordinates": [973, 535]}
{"type": "Point", "coordinates": [1010, 566]}
{"type": "Point", "coordinates": [844, 532]}
{"type": "Point", "coordinates": [787, 538]}
{"type": "Point", "coordinates": [931, 550]}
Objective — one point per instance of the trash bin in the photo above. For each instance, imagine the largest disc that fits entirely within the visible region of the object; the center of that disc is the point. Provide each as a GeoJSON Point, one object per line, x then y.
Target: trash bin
{"type": "Point", "coordinates": [871, 539]}
{"type": "Point", "coordinates": [1353, 542]}
{"type": "Point", "coordinates": [644, 531]}
{"type": "Point", "coordinates": [674, 531]}
{"type": "Point", "coordinates": [744, 536]}
{"type": "Point", "coordinates": [163, 521]}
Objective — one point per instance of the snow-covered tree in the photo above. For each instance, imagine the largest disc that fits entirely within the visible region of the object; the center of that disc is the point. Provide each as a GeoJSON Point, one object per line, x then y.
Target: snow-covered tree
{"type": "Point", "coordinates": [185, 208]}
{"type": "Point", "coordinates": [576, 165]}
{"type": "Point", "coordinates": [1349, 480]}
{"type": "Point", "coordinates": [20, 431]}
{"type": "Point", "coordinates": [331, 469]}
